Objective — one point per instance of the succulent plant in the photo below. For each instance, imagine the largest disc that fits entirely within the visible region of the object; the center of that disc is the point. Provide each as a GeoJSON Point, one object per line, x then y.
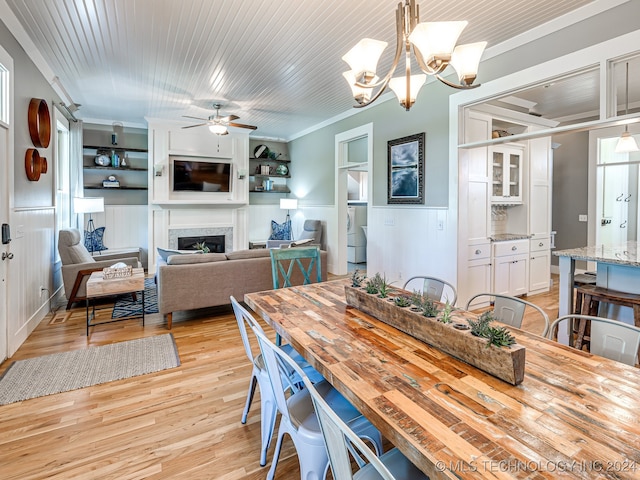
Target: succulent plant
{"type": "Point", "coordinates": [429, 308]}
{"type": "Point", "coordinates": [357, 278]}
{"type": "Point", "coordinates": [384, 287]}
{"type": "Point", "coordinates": [402, 301]}
{"type": "Point", "coordinates": [446, 313]}
{"type": "Point", "coordinates": [500, 337]}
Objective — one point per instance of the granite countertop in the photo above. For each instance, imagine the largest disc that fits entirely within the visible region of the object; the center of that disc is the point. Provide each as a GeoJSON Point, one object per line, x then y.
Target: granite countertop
{"type": "Point", "coordinates": [624, 254]}
{"type": "Point", "coordinates": [505, 237]}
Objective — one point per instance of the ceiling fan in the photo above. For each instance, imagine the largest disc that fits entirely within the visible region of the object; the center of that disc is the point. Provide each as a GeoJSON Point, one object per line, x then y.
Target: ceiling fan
{"type": "Point", "coordinates": [218, 124]}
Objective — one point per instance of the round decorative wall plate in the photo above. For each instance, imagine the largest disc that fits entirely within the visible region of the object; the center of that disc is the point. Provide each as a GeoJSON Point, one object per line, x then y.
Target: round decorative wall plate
{"type": "Point", "coordinates": [282, 169]}
{"type": "Point", "coordinates": [261, 151]}
{"type": "Point", "coordinates": [39, 122]}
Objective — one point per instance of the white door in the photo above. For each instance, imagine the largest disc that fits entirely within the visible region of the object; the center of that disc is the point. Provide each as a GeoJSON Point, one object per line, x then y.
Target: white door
{"type": "Point", "coordinates": [6, 105]}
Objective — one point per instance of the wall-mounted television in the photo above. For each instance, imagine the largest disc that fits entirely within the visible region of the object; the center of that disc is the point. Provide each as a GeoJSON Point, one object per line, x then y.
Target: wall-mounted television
{"type": "Point", "coordinates": [199, 176]}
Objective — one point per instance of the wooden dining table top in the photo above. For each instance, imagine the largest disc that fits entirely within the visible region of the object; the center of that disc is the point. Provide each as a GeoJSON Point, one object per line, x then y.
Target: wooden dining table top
{"type": "Point", "coordinates": [575, 415]}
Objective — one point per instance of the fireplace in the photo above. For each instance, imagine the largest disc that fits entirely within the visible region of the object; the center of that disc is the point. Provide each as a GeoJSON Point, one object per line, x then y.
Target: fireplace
{"type": "Point", "coordinates": [196, 234]}
{"type": "Point", "coordinates": [215, 243]}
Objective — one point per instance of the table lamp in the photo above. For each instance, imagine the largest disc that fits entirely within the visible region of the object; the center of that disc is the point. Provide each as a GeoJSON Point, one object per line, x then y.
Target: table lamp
{"type": "Point", "coordinates": [88, 205]}
{"type": "Point", "coordinates": [289, 204]}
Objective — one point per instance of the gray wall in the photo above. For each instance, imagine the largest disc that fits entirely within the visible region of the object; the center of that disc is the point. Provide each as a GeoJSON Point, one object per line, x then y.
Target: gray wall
{"type": "Point", "coordinates": [570, 187]}
{"type": "Point", "coordinates": [28, 83]}
{"type": "Point", "coordinates": [313, 166]}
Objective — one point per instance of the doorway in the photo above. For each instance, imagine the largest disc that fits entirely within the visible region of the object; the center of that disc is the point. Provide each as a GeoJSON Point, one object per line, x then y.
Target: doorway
{"type": "Point", "coordinates": [354, 153]}
{"type": "Point", "coordinates": [6, 187]}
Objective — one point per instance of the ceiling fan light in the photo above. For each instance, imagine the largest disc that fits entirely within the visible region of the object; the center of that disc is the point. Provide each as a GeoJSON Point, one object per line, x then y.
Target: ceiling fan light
{"type": "Point", "coordinates": [466, 59]}
{"type": "Point", "coordinates": [436, 40]}
{"type": "Point", "coordinates": [399, 87]}
{"type": "Point", "coordinates": [626, 143]}
{"type": "Point", "coordinates": [363, 57]}
{"type": "Point", "coordinates": [218, 129]}
{"type": "Point", "coordinates": [361, 94]}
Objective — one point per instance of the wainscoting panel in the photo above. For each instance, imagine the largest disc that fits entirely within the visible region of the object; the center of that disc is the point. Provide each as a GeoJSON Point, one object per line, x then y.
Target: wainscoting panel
{"type": "Point", "coordinates": [126, 226]}
{"type": "Point", "coordinates": [30, 270]}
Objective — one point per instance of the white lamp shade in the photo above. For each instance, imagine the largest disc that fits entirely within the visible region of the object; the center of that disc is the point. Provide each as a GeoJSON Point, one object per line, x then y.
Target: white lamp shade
{"type": "Point", "coordinates": [218, 129]}
{"type": "Point", "coordinates": [435, 39]}
{"type": "Point", "coordinates": [399, 87]}
{"type": "Point", "coordinates": [466, 58]}
{"type": "Point", "coordinates": [362, 94]}
{"type": "Point", "coordinates": [88, 204]}
{"type": "Point", "coordinates": [288, 203]}
{"type": "Point", "coordinates": [626, 143]}
{"type": "Point", "coordinates": [364, 56]}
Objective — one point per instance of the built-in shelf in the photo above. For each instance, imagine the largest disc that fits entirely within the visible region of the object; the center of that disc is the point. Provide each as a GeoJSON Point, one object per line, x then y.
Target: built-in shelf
{"type": "Point", "coordinates": [279, 190]}
{"type": "Point", "coordinates": [98, 187]}
{"type": "Point", "coordinates": [131, 169]}
{"type": "Point", "coordinates": [115, 147]}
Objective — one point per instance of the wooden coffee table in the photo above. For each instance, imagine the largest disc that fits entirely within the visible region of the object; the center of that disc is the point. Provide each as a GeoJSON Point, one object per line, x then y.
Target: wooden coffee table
{"type": "Point", "coordinates": [98, 287]}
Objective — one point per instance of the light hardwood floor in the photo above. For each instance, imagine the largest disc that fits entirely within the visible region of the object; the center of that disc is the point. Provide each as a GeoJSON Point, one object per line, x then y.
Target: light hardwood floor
{"type": "Point", "coordinates": [178, 423]}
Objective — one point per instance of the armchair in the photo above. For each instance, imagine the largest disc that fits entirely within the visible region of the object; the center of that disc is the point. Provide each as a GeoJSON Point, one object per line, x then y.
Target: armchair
{"type": "Point", "coordinates": [78, 264]}
{"type": "Point", "coordinates": [311, 230]}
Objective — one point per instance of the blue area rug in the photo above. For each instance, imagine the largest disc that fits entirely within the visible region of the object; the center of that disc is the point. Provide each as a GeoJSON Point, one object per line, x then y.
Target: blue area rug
{"type": "Point", "coordinates": [126, 307]}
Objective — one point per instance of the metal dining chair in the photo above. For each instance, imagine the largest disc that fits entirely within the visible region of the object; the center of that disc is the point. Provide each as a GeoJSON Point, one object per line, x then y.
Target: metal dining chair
{"type": "Point", "coordinates": [260, 377]}
{"type": "Point", "coordinates": [611, 339]}
{"type": "Point", "coordinates": [341, 442]}
{"type": "Point", "coordinates": [434, 288]}
{"type": "Point", "coordinates": [287, 262]}
{"type": "Point", "coordinates": [298, 418]}
{"type": "Point", "coordinates": [510, 310]}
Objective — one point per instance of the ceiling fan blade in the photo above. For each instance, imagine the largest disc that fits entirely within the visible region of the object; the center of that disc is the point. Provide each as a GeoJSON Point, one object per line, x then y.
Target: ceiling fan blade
{"type": "Point", "coordinates": [229, 118]}
{"type": "Point", "coordinates": [196, 118]}
{"type": "Point", "coordinates": [241, 125]}
{"type": "Point", "coordinates": [197, 125]}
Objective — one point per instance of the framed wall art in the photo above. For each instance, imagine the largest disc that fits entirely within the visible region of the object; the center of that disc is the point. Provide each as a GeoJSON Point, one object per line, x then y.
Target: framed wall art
{"type": "Point", "coordinates": [405, 181]}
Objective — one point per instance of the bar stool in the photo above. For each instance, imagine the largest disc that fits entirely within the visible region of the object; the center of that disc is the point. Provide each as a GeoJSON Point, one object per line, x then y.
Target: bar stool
{"type": "Point", "coordinates": [591, 296]}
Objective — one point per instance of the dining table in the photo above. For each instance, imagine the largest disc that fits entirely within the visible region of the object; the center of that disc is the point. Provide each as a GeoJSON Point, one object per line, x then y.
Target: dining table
{"type": "Point", "coordinates": [575, 415]}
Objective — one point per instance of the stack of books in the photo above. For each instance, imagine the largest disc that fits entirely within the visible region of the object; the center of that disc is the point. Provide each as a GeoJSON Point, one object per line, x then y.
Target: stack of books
{"type": "Point", "coordinates": [111, 183]}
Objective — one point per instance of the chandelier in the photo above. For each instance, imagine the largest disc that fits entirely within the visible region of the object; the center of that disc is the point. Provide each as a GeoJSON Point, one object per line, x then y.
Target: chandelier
{"type": "Point", "coordinates": [434, 47]}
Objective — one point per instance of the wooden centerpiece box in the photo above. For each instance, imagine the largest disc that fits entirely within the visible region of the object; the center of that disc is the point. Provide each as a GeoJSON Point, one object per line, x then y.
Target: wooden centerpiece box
{"type": "Point", "coordinates": [454, 338]}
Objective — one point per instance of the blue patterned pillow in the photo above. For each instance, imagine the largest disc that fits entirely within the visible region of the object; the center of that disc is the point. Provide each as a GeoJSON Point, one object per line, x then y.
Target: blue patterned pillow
{"type": "Point", "coordinates": [280, 231]}
{"type": "Point", "coordinates": [93, 240]}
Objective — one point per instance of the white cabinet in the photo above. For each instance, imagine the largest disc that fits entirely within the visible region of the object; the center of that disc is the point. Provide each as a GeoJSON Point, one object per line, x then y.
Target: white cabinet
{"type": "Point", "coordinates": [539, 265]}
{"type": "Point", "coordinates": [506, 174]}
{"type": "Point", "coordinates": [478, 271]}
{"type": "Point", "coordinates": [511, 267]}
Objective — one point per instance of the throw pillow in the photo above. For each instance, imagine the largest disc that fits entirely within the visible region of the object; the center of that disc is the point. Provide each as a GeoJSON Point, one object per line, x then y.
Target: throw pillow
{"type": "Point", "coordinates": [165, 252]}
{"type": "Point", "coordinates": [280, 231]}
{"type": "Point", "coordinates": [93, 240]}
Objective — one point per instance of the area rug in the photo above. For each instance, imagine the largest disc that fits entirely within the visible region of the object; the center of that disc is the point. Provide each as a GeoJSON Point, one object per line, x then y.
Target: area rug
{"type": "Point", "coordinates": [126, 307]}
{"type": "Point", "coordinates": [61, 372]}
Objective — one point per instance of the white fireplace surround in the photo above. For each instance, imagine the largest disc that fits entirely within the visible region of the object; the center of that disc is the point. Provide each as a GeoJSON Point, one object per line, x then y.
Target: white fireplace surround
{"type": "Point", "coordinates": [175, 233]}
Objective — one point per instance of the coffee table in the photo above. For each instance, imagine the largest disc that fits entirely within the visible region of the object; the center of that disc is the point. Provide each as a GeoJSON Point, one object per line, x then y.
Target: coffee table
{"type": "Point", "coordinates": [98, 287]}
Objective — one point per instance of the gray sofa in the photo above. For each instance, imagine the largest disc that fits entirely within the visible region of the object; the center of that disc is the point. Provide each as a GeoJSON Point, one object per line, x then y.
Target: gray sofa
{"type": "Point", "coordinates": [190, 281]}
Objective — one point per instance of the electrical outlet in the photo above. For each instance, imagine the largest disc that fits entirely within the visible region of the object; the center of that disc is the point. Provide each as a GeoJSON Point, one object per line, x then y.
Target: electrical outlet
{"type": "Point", "coordinates": [389, 222]}
{"type": "Point", "coordinates": [583, 218]}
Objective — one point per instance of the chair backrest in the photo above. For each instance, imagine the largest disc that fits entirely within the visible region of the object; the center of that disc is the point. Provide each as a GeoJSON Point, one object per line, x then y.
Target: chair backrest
{"type": "Point", "coordinates": [340, 439]}
{"type": "Point", "coordinates": [244, 319]}
{"type": "Point", "coordinates": [312, 229]}
{"type": "Point", "coordinates": [434, 288]}
{"type": "Point", "coordinates": [71, 248]}
{"type": "Point", "coordinates": [284, 262]}
{"type": "Point", "coordinates": [279, 367]}
{"type": "Point", "coordinates": [510, 310]}
{"type": "Point", "coordinates": [611, 339]}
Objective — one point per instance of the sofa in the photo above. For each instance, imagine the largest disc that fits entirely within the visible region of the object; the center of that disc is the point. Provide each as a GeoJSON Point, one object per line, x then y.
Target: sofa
{"type": "Point", "coordinates": [190, 281]}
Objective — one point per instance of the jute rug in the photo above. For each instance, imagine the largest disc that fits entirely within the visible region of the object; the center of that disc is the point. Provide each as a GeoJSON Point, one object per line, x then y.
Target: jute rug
{"type": "Point", "coordinates": [61, 372]}
{"type": "Point", "coordinates": [126, 307]}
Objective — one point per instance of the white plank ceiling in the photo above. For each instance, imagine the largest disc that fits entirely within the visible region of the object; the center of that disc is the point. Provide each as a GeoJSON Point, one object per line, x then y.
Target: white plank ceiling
{"type": "Point", "coordinates": [275, 63]}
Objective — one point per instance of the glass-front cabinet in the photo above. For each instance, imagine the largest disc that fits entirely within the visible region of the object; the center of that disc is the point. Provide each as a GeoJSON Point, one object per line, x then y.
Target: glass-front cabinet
{"type": "Point", "coordinates": [507, 174]}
